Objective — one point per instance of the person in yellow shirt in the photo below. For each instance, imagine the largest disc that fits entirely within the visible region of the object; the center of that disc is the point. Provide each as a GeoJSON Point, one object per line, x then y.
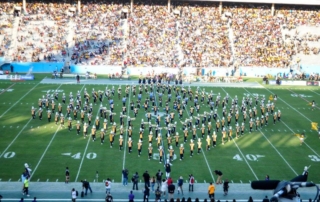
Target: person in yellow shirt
{"type": "Point", "coordinates": [120, 142]}
{"type": "Point", "coordinates": [208, 140]}
{"type": "Point", "coordinates": [93, 133]}
{"type": "Point", "coordinates": [191, 147]}
{"type": "Point", "coordinates": [102, 133]}
{"type": "Point", "coordinates": [181, 152]}
{"type": "Point", "coordinates": [211, 190]}
{"type": "Point", "coordinates": [160, 154]}
{"type": "Point", "coordinates": [199, 143]}
{"type": "Point", "coordinates": [159, 140]}
{"type": "Point", "coordinates": [111, 138]}
{"type": "Point", "coordinates": [130, 145]}
{"type": "Point", "coordinates": [139, 148]}
{"type": "Point", "coordinates": [150, 148]}
{"type": "Point", "coordinates": [171, 153]}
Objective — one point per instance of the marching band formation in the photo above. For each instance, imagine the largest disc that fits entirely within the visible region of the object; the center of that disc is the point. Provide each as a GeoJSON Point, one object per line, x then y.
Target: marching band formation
{"type": "Point", "coordinates": [174, 116]}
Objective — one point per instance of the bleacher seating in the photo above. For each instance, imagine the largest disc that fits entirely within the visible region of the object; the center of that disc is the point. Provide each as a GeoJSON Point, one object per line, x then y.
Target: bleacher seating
{"type": "Point", "coordinates": [191, 34]}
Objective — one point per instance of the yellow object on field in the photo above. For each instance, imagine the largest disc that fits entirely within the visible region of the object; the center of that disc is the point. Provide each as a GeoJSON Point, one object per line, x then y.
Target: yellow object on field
{"type": "Point", "coordinates": [314, 126]}
{"type": "Point", "coordinates": [270, 97]}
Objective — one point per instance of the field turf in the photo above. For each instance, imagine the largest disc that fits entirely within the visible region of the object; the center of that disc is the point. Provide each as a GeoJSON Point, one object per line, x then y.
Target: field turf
{"type": "Point", "coordinates": [273, 150]}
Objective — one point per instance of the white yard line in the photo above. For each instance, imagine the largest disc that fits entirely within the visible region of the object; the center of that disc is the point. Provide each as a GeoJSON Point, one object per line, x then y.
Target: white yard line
{"type": "Point", "coordinates": [279, 153]}
{"type": "Point", "coordinates": [20, 100]}
{"type": "Point", "coordinates": [314, 92]}
{"type": "Point", "coordinates": [126, 137]}
{"type": "Point", "coordinates": [45, 151]}
{"type": "Point", "coordinates": [289, 105]}
{"type": "Point", "coordinates": [245, 159]}
{"type": "Point", "coordinates": [205, 158]}
{"type": "Point", "coordinates": [20, 132]}
{"type": "Point", "coordinates": [164, 151]}
{"type": "Point", "coordinates": [289, 127]}
{"type": "Point", "coordinates": [274, 146]}
{"type": "Point", "coordinates": [85, 150]}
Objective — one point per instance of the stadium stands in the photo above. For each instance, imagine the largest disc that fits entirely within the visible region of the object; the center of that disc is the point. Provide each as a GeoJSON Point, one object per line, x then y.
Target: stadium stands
{"type": "Point", "coordinates": [192, 34]}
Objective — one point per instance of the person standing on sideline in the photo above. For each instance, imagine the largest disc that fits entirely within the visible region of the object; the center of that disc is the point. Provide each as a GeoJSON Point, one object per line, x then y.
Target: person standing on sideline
{"type": "Point", "coordinates": [267, 177]}
{"type": "Point", "coordinates": [26, 186]}
{"type": "Point", "coordinates": [125, 174]}
{"type": "Point", "coordinates": [219, 173]}
{"type": "Point", "coordinates": [131, 197]}
{"type": "Point", "coordinates": [34, 199]}
{"type": "Point", "coordinates": [158, 195]}
{"type": "Point", "coordinates": [191, 182]}
{"type": "Point", "coordinates": [153, 182]}
{"type": "Point", "coordinates": [266, 199]}
{"type": "Point", "coordinates": [159, 177]}
{"type": "Point", "coordinates": [211, 190]}
{"type": "Point", "coordinates": [171, 189]}
{"type": "Point", "coordinates": [78, 78]}
{"type": "Point", "coordinates": [67, 175]}
{"type": "Point", "coordinates": [135, 180]}
{"type": "Point", "coordinates": [146, 178]}
{"type": "Point", "coordinates": [180, 183]}
{"type": "Point", "coordinates": [164, 187]}
{"type": "Point", "coordinates": [86, 186]}
{"type": "Point", "coordinates": [73, 195]}
{"type": "Point", "coordinates": [109, 198]}
{"type": "Point", "coordinates": [146, 194]}
{"type": "Point", "coordinates": [226, 187]}
{"type": "Point", "coordinates": [108, 186]}
{"type": "Point", "coordinates": [168, 169]}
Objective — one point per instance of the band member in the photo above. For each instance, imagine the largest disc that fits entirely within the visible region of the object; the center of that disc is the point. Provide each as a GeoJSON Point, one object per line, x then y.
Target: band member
{"type": "Point", "coordinates": [120, 142]}
{"type": "Point", "coordinates": [224, 135]}
{"type": "Point", "coordinates": [208, 140]}
{"type": "Point", "coordinates": [102, 134]}
{"type": "Point", "coordinates": [33, 112]}
{"type": "Point", "coordinates": [93, 133]}
{"type": "Point", "coordinates": [97, 123]}
{"type": "Point", "coordinates": [159, 138]}
{"type": "Point", "coordinates": [160, 154]}
{"type": "Point", "coordinates": [61, 120]}
{"type": "Point", "coordinates": [237, 131]}
{"type": "Point", "coordinates": [150, 148]}
{"type": "Point", "coordinates": [130, 145]}
{"type": "Point", "coordinates": [171, 153]}
{"type": "Point", "coordinates": [40, 113]}
{"type": "Point", "coordinates": [69, 124]}
{"type": "Point", "coordinates": [242, 128]}
{"type": "Point", "coordinates": [214, 139]}
{"type": "Point", "coordinates": [191, 147]}
{"type": "Point", "coordinates": [181, 151]}
{"type": "Point", "coordinates": [111, 138]}
{"type": "Point", "coordinates": [56, 118]}
{"type": "Point", "coordinates": [78, 126]}
{"type": "Point", "coordinates": [85, 130]}
{"type": "Point", "coordinates": [49, 115]}
{"type": "Point", "coordinates": [279, 115]}
{"type": "Point", "coordinates": [139, 147]}
{"type": "Point", "coordinates": [185, 134]}
{"type": "Point", "coordinates": [230, 134]}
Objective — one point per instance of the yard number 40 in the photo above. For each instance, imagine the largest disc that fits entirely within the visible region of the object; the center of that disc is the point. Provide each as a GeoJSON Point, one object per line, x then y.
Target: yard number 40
{"type": "Point", "coordinates": [250, 157]}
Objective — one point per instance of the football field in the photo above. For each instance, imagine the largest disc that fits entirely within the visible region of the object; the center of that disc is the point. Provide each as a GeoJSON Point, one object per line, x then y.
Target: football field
{"type": "Point", "coordinates": [48, 148]}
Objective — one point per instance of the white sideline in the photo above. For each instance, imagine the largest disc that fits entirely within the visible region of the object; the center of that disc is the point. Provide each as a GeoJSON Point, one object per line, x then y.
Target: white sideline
{"type": "Point", "coordinates": [205, 158]}
{"type": "Point", "coordinates": [240, 149]}
{"type": "Point", "coordinates": [19, 132]}
{"type": "Point", "coordinates": [301, 115]}
{"type": "Point", "coordinates": [19, 100]}
{"type": "Point", "coordinates": [45, 151]}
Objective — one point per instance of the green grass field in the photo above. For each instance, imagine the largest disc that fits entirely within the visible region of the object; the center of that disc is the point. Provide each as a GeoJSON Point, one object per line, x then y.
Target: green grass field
{"type": "Point", "coordinates": [274, 150]}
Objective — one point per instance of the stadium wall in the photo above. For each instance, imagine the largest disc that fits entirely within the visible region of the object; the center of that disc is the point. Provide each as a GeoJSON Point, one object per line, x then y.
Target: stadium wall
{"type": "Point", "coordinates": [49, 67]}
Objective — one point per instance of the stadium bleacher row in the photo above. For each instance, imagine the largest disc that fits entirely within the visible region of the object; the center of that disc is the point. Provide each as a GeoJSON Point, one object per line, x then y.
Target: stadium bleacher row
{"type": "Point", "coordinates": [192, 34]}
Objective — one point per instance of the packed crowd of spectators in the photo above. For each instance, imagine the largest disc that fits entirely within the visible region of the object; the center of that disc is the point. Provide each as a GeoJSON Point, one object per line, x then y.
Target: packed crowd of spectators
{"type": "Point", "coordinates": [192, 34]}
